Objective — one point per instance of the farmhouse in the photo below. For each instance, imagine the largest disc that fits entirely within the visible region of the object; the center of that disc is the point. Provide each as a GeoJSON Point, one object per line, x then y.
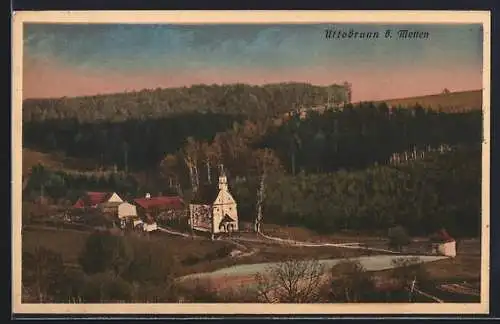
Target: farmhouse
{"type": "Point", "coordinates": [126, 213]}
{"type": "Point", "coordinates": [105, 201]}
{"type": "Point", "coordinates": [213, 209]}
{"type": "Point", "coordinates": [160, 208]}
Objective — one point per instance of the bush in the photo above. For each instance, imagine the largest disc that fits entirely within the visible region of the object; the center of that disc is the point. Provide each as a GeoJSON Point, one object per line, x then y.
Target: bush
{"type": "Point", "coordinates": [106, 287]}
{"type": "Point", "coordinates": [398, 237]}
{"type": "Point", "coordinates": [42, 270]}
{"type": "Point", "coordinates": [351, 283]}
{"type": "Point", "coordinates": [105, 252]}
{"type": "Point", "coordinates": [73, 282]}
{"type": "Point", "coordinates": [200, 291]}
{"type": "Point", "coordinates": [151, 263]}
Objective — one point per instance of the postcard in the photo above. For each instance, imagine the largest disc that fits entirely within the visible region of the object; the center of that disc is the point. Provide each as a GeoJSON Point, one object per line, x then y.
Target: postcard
{"type": "Point", "coordinates": [253, 162]}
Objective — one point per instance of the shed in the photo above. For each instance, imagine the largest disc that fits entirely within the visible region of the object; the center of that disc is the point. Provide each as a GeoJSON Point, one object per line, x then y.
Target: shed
{"type": "Point", "coordinates": [443, 244]}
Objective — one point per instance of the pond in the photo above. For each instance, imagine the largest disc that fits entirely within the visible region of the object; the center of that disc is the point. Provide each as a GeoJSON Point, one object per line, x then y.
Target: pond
{"type": "Point", "coordinates": [370, 263]}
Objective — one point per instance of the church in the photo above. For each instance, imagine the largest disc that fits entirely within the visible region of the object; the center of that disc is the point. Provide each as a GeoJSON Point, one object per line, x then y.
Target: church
{"type": "Point", "coordinates": [213, 209]}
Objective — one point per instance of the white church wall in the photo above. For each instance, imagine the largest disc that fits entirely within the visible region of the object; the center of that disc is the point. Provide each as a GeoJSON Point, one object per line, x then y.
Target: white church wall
{"type": "Point", "coordinates": [200, 216]}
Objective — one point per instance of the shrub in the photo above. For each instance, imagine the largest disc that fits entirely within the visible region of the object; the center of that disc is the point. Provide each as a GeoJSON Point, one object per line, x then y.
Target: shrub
{"type": "Point", "coordinates": [291, 281]}
{"type": "Point", "coordinates": [151, 263]}
{"type": "Point", "coordinates": [350, 282]}
{"type": "Point", "coordinates": [398, 237]}
{"type": "Point", "coordinates": [200, 291]}
{"type": "Point", "coordinates": [106, 287]}
{"type": "Point", "coordinates": [42, 270]}
{"type": "Point", "coordinates": [105, 252]}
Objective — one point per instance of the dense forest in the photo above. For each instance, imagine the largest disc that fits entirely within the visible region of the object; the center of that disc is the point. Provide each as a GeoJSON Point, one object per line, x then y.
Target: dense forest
{"type": "Point", "coordinates": [422, 195]}
{"type": "Point", "coordinates": [255, 101]}
{"type": "Point", "coordinates": [130, 145]}
{"type": "Point", "coordinates": [354, 137]}
{"type": "Point", "coordinates": [359, 136]}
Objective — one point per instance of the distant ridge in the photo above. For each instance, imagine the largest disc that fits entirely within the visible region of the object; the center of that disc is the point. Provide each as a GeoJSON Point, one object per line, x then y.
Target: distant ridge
{"type": "Point", "coordinates": [446, 102]}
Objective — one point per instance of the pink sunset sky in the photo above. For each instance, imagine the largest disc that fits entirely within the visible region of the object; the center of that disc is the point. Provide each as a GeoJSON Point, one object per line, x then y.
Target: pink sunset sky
{"type": "Point", "coordinates": [115, 59]}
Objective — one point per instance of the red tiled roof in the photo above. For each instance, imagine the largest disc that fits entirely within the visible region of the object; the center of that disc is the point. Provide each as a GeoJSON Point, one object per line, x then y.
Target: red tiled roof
{"type": "Point", "coordinates": [442, 237]}
{"type": "Point", "coordinates": [174, 202]}
{"type": "Point", "coordinates": [91, 198]}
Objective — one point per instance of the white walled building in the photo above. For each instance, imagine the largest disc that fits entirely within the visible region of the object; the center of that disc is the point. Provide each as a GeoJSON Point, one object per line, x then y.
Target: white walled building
{"type": "Point", "coordinates": [213, 209]}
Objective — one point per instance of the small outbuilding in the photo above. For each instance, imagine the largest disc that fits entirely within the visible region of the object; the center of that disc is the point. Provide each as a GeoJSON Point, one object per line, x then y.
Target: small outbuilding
{"type": "Point", "coordinates": [443, 244]}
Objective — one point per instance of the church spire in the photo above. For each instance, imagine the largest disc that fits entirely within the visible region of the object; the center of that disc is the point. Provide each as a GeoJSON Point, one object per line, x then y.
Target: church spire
{"type": "Point", "coordinates": [222, 178]}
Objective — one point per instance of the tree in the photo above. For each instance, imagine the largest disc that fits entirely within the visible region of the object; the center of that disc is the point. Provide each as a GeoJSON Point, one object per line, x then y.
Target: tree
{"type": "Point", "coordinates": [350, 282]}
{"type": "Point", "coordinates": [105, 252]}
{"type": "Point", "coordinates": [260, 201]}
{"type": "Point", "coordinates": [150, 263]}
{"type": "Point", "coordinates": [191, 157]}
{"type": "Point", "coordinates": [291, 281]}
{"type": "Point", "coordinates": [398, 238]}
{"type": "Point", "coordinates": [170, 168]}
{"type": "Point", "coordinates": [42, 270]}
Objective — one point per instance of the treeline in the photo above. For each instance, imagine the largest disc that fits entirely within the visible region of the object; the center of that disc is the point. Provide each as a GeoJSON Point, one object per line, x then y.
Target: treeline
{"type": "Point", "coordinates": [65, 187]}
{"type": "Point", "coordinates": [442, 190]}
{"type": "Point", "coordinates": [266, 100]}
{"type": "Point", "coordinates": [130, 145]}
{"type": "Point", "coordinates": [357, 137]}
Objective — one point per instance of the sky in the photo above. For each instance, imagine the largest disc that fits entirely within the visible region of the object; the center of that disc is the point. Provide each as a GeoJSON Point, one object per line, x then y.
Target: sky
{"type": "Point", "coordinates": [87, 59]}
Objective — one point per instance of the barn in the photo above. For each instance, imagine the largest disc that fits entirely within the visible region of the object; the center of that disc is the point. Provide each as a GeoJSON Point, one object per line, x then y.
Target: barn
{"type": "Point", "coordinates": [92, 199]}
{"type": "Point", "coordinates": [160, 208]}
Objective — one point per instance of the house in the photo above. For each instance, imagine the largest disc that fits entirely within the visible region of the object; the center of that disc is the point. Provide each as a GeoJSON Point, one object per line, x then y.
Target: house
{"type": "Point", "coordinates": [126, 213]}
{"type": "Point", "coordinates": [103, 200]}
{"type": "Point", "coordinates": [213, 209]}
{"type": "Point", "coordinates": [160, 208]}
{"type": "Point", "coordinates": [443, 244]}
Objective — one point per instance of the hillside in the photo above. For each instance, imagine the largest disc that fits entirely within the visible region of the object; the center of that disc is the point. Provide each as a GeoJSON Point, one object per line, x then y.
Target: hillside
{"type": "Point", "coordinates": [450, 102]}
{"type": "Point", "coordinates": [54, 161]}
{"type": "Point", "coordinates": [240, 99]}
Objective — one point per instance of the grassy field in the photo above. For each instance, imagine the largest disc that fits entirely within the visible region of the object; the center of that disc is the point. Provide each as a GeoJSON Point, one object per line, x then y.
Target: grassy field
{"type": "Point", "coordinates": [450, 102]}
{"type": "Point", "coordinates": [192, 255]}
{"type": "Point", "coordinates": [198, 255]}
{"type": "Point", "coordinates": [54, 161]}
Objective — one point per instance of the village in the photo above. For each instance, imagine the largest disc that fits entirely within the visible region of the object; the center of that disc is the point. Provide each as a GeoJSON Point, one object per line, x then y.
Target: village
{"type": "Point", "coordinates": [212, 210]}
{"type": "Point", "coordinates": [211, 213]}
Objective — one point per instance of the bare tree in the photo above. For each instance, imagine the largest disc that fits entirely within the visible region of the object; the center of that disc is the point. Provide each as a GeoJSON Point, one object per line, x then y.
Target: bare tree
{"type": "Point", "coordinates": [260, 200]}
{"type": "Point", "coordinates": [291, 281]}
{"type": "Point", "coordinates": [190, 154]}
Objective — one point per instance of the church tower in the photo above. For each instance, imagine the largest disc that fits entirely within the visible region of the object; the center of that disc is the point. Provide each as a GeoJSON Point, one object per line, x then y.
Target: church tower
{"type": "Point", "coordinates": [222, 179]}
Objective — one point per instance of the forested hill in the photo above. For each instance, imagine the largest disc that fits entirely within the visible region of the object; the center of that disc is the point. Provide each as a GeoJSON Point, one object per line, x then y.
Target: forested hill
{"type": "Point", "coordinates": [267, 100]}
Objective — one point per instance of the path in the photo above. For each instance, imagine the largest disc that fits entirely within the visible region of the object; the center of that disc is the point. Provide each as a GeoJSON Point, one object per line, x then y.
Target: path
{"type": "Point", "coordinates": [353, 245]}
{"type": "Point", "coordinates": [249, 252]}
{"type": "Point", "coordinates": [169, 231]}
